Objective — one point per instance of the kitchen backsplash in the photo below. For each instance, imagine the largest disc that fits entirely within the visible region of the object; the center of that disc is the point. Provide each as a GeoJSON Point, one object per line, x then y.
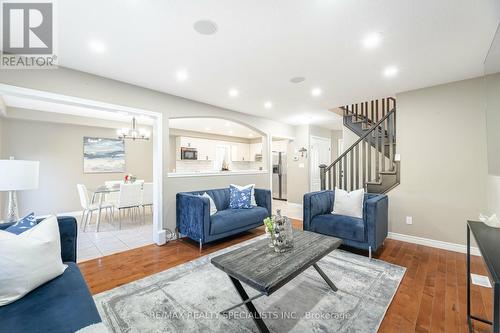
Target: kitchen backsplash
{"type": "Point", "coordinates": [207, 166]}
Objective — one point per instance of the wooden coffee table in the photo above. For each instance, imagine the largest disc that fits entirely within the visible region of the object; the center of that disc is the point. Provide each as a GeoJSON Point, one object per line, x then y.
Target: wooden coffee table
{"type": "Point", "coordinates": [258, 266]}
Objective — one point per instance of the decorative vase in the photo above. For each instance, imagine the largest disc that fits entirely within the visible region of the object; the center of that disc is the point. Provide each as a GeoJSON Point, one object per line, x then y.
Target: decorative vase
{"type": "Point", "coordinates": [283, 233]}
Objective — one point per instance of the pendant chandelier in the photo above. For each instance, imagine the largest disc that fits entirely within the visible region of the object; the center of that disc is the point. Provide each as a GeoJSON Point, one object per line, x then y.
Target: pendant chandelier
{"type": "Point", "coordinates": [133, 133]}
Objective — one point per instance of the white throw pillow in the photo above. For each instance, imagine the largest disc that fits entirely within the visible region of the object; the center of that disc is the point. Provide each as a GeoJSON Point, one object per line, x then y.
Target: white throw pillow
{"type": "Point", "coordinates": [252, 200]}
{"type": "Point", "coordinates": [29, 260]}
{"type": "Point", "coordinates": [349, 203]}
{"type": "Point", "coordinates": [213, 208]}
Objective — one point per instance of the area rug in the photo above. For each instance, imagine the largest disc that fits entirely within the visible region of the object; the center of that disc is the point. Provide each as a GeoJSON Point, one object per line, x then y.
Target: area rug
{"type": "Point", "coordinates": [188, 298]}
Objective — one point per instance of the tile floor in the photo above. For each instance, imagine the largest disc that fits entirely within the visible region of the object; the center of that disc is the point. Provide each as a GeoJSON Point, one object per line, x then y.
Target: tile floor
{"type": "Point", "coordinates": [288, 209]}
{"type": "Point", "coordinates": [110, 239]}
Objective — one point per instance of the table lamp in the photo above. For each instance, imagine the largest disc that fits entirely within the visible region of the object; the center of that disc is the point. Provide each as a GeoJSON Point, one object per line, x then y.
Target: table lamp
{"type": "Point", "coordinates": [17, 175]}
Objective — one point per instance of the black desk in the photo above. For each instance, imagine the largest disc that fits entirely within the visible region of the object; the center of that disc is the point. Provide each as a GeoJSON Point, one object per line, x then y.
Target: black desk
{"type": "Point", "coordinates": [488, 241]}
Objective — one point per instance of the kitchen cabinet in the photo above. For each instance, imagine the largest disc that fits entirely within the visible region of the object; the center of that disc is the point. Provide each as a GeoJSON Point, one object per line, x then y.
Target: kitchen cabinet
{"type": "Point", "coordinates": [240, 152]}
{"type": "Point", "coordinates": [204, 147]}
{"type": "Point", "coordinates": [255, 149]}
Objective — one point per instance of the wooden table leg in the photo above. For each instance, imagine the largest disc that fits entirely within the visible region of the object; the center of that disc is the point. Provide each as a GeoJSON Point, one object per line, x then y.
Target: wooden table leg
{"type": "Point", "coordinates": [250, 307]}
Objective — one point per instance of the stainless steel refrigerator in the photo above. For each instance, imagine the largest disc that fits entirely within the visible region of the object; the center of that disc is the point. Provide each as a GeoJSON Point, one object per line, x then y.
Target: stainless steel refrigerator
{"type": "Point", "coordinates": [279, 175]}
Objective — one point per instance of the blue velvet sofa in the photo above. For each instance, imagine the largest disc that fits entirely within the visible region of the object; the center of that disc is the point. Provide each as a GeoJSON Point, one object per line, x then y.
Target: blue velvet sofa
{"type": "Point", "coordinates": [63, 304]}
{"type": "Point", "coordinates": [195, 222]}
{"type": "Point", "coordinates": [367, 233]}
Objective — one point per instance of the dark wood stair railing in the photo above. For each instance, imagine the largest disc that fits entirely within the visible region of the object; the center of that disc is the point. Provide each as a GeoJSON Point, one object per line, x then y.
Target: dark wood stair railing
{"type": "Point", "coordinates": [375, 170]}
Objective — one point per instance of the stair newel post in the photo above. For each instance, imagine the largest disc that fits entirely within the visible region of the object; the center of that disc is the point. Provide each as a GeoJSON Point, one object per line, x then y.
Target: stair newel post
{"type": "Point", "coordinates": [377, 152]}
{"type": "Point", "coordinates": [334, 177]}
{"type": "Point", "coordinates": [357, 165]}
{"type": "Point", "coordinates": [391, 141]}
{"type": "Point", "coordinates": [344, 174]}
{"type": "Point", "coordinates": [382, 143]}
{"type": "Point", "coordinates": [322, 176]}
{"type": "Point", "coordinates": [363, 158]}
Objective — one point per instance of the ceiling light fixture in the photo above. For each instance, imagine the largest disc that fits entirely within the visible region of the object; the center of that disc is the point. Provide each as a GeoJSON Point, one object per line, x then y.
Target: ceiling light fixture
{"type": "Point", "coordinates": [372, 40]}
{"type": "Point", "coordinates": [205, 27]}
{"type": "Point", "coordinates": [250, 135]}
{"type": "Point", "coordinates": [268, 104]}
{"type": "Point", "coordinates": [181, 75]}
{"type": "Point", "coordinates": [316, 92]}
{"type": "Point", "coordinates": [97, 46]}
{"type": "Point", "coordinates": [297, 79]}
{"type": "Point", "coordinates": [230, 132]}
{"type": "Point", "coordinates": [390, 71]}
{"type": "Point", "coordinates": [208, 129]}
{"type": "Point", "coordinates": [134, 133]}
{"type": "Point", "coordinates": [233, 92]}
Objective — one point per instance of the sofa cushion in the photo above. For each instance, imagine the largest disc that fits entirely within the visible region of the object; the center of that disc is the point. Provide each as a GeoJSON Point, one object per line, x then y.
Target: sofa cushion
{"type": "Point", "coordinates": [27, 222]}
{"type": "Point", "coordinates": [231, 219]}
{"type": "Point", "coordinates": [63, 304]}
{"type": "Point", "coordinates": [240, 197]}
{"type": "Point", "coordinates": [340, 226]}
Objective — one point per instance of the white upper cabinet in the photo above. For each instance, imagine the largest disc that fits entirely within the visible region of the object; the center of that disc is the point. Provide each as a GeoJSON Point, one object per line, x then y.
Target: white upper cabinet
{"type": "Point", "coordinates": [240, 152]}
{"type": "Point", "coordinates": [204, 147]}
{"type": "Point", "coordinates": [255, 149]}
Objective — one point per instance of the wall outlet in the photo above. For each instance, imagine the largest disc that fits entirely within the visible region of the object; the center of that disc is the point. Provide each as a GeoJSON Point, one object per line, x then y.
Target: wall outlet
{"type": "Point", "coordinates": [409, 220]}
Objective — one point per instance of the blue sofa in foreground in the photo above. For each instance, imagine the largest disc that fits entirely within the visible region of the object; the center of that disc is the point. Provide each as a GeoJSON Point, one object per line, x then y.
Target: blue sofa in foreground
{"type": "Point", "coordinates": [63, 304]}
{"type": "Point", "coordinates": [367, 233]}
{"type": "Point", "coordinates": [194, 220]}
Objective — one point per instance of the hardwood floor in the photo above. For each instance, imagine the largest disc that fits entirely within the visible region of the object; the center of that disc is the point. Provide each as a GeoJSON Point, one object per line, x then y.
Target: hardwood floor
{"type": "Point", "coordinates": [431, 297]}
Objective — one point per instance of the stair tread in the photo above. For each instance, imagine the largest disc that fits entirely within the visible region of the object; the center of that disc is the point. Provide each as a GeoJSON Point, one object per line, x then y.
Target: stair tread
{"type": "Point", "coordinates": [374, 183]}
{"type": "Point", "coordinates": [388, 172]}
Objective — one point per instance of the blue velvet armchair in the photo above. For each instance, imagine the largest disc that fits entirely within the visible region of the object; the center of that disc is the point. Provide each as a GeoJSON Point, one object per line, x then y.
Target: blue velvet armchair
{"type": "Point", "coordinates": [367, 233]}
{"type": "Point", "coordinates": [194, 220]}
{"type": "Point", "coordinates": [63, 304]}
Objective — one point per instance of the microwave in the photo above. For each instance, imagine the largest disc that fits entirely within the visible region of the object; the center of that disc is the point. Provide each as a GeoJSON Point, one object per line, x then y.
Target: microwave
{"type": "Point", "coordinates": [189, 153]}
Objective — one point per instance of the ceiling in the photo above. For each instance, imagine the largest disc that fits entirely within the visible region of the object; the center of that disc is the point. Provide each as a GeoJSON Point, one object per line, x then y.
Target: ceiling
{"type": "Point", "coordinates": [260, 45]}
{"type": "Point", "coordinates": [214, 126]}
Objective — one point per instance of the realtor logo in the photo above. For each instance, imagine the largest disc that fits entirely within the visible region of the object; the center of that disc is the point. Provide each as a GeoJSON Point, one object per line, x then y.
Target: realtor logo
{"type": "Point", "coordinates": [28, 35]}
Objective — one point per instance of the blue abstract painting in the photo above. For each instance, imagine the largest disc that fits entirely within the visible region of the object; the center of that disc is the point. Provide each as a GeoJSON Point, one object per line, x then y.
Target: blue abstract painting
{"type": "Point", "coordinates": [103, 155]}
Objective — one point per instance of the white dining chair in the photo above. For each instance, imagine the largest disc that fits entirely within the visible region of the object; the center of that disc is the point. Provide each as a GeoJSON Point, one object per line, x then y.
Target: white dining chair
{"type": "Point", "coordinates": [112, 197]}
{"type": "Point", "coordinates": [89, 208]}
{"type": "Point", "coordinates": [130, 199]}
{"type": "Point", "coordinates": [147, 197]}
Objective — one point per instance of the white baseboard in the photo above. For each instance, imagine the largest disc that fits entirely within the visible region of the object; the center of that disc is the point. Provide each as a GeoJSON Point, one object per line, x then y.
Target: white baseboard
{"type": "Point", "coordinates": [434, 243]}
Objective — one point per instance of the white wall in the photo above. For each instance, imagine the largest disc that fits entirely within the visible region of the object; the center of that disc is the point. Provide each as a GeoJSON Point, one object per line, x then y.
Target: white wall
{"type": "Point", "coordinates": [492, 94]}
{"type": "Point", "coordinates": [83, 85]}
{"type": "Point", "coordinates": [298, 171]}
{"type": "Point", "coordinates": [442, 142]}
{"type": "Point", "coordinates": [59, 148]}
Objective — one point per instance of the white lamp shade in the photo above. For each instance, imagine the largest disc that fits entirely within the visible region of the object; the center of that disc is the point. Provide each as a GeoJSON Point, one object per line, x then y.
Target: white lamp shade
{"type": "Point", "coordinates": [18, 175]}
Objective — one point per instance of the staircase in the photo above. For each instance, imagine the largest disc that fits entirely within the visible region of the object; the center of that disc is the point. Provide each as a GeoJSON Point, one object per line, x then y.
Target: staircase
{"type": "Point", "coordinates": [369, 163]}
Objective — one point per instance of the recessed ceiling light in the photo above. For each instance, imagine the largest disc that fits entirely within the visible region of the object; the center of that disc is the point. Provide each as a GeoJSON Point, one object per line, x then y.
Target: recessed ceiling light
{"type": "Point", "coordinates": [268, 104]}
{"type": "Point", "coordinates": [205, 27]}
{"type": "Point", "coordinates": [181, 75]}
{"type": "Point", "coordinates": [233, 92]}
{"type": "Point", "coordinates": [390, 71]}
{"type": "Point", "coordinates": [316, 92]}
{"type": "Point", "coordinates": [250, 135]}
{"type": "Point", "coordinates": [228, 124]}
{"type": "Point", "coordinates": [297, 79]}
{"type": "Point", "coordinates": [97, 46]}
{"type": "Point", "coordinates": [372, 40]}
{"type": "Point", "coordinates": [230, 132]}
{"type": "Point", "coordinates": [208, 129]}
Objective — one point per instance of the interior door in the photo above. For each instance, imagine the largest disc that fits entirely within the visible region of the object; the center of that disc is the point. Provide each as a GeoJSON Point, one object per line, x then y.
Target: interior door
{"type": "Point", "coordinates": [320, 153]}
